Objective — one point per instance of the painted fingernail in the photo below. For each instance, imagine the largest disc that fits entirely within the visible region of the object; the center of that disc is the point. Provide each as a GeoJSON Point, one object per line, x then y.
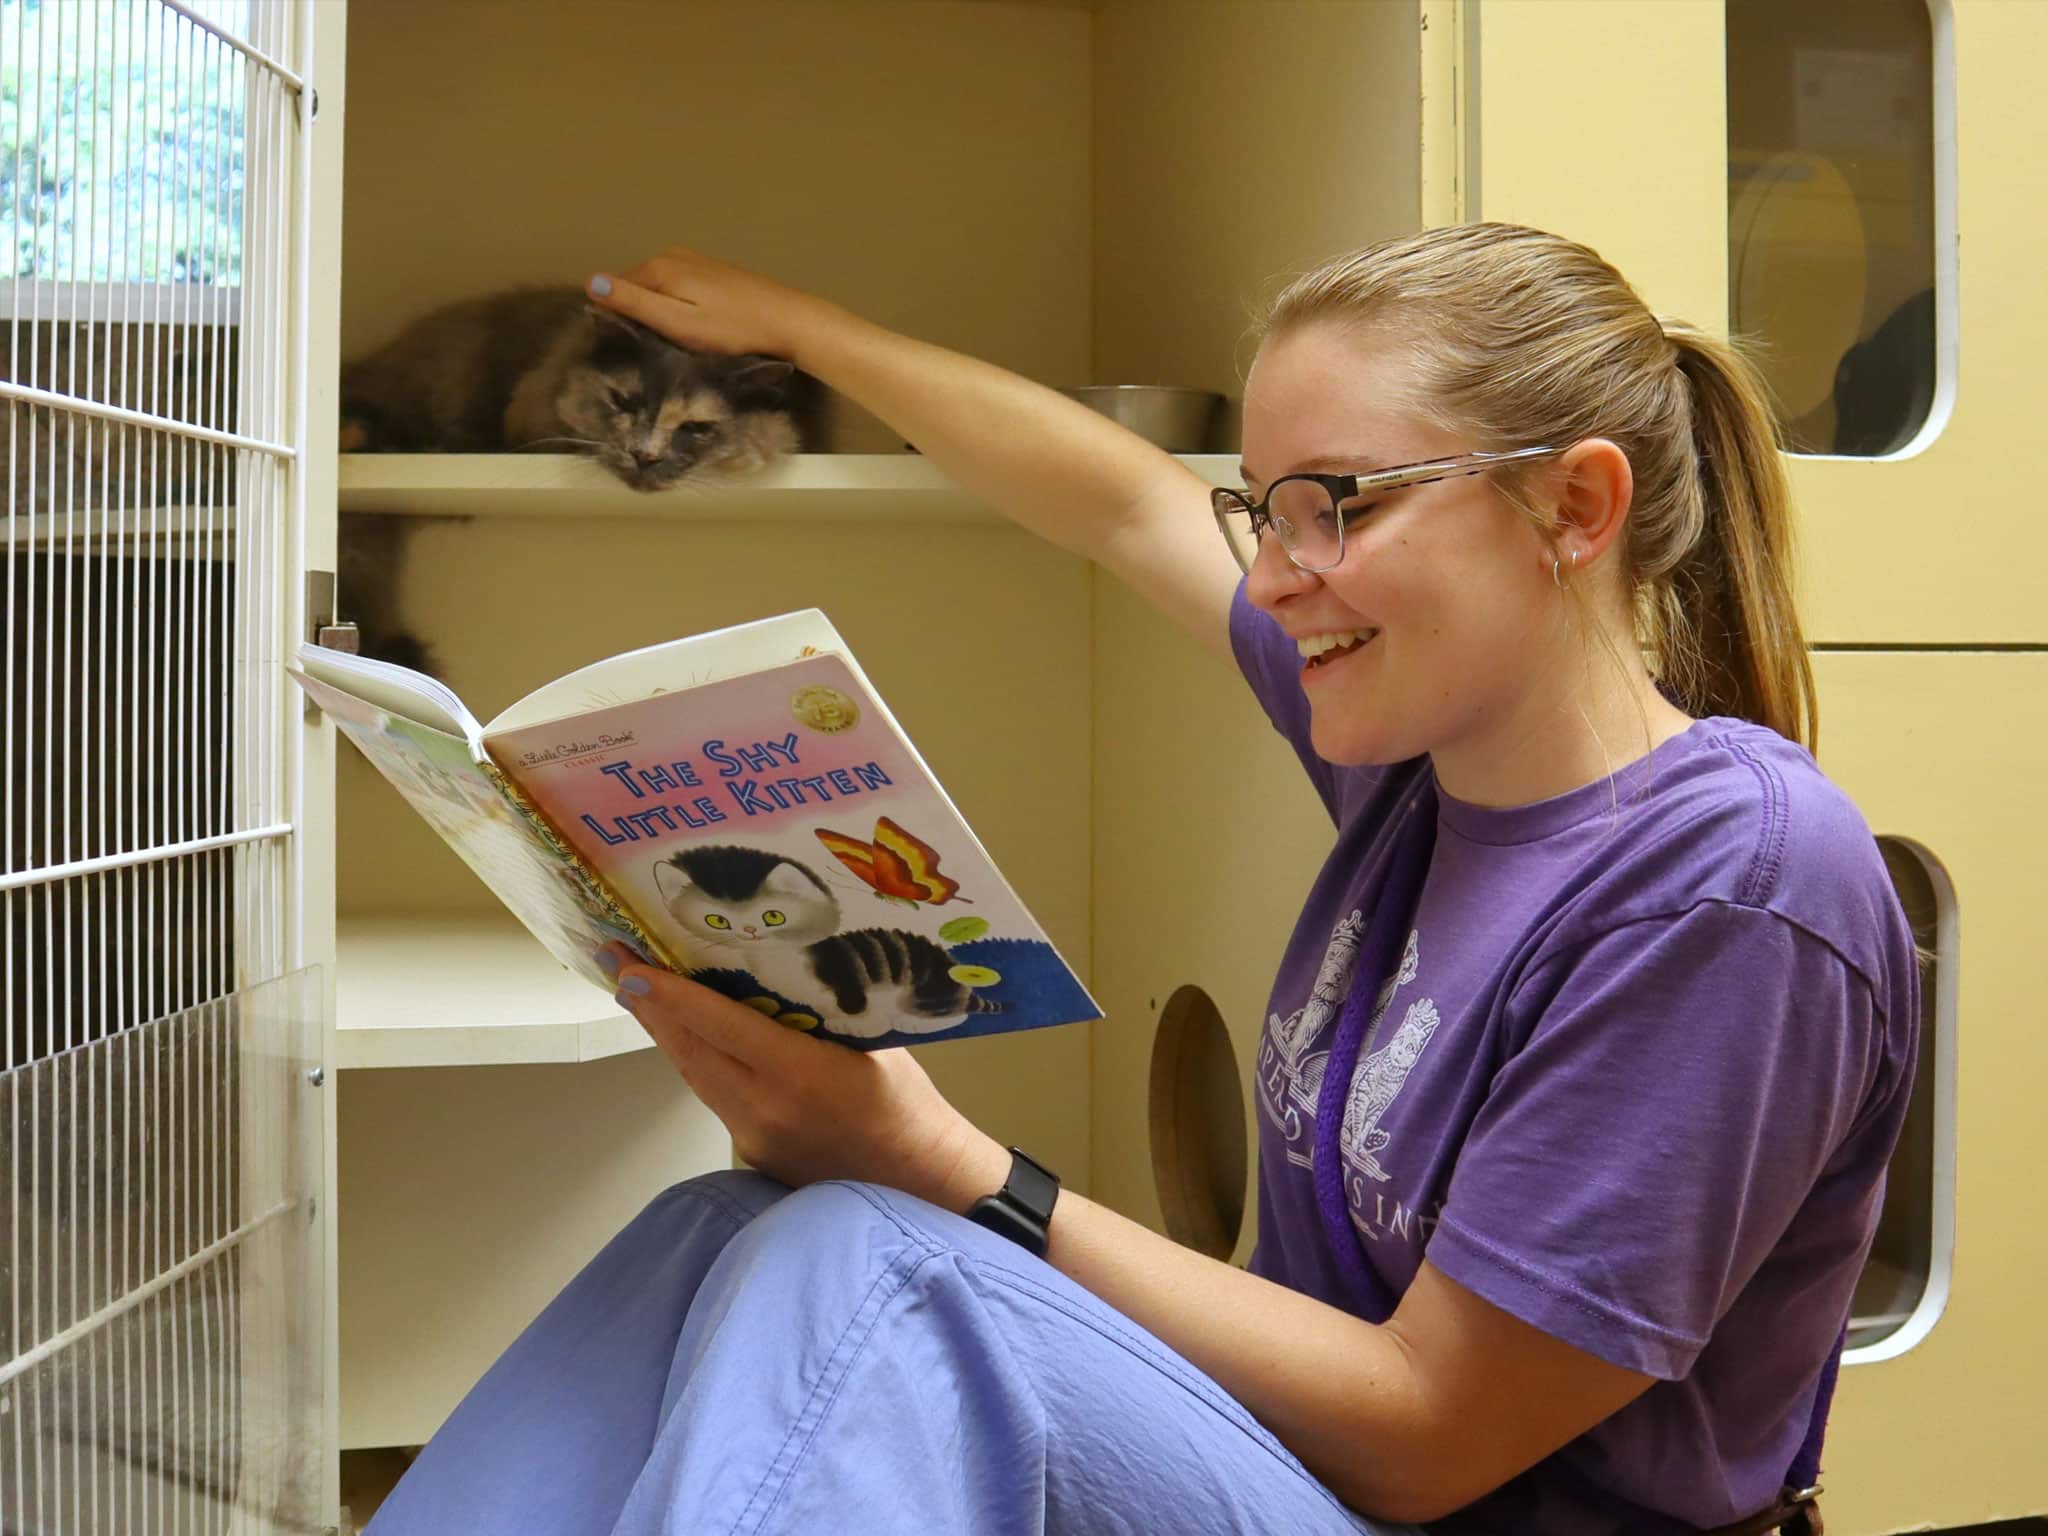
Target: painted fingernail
{"type": "Point", "coordinates": [639, 986]}
{"type": "Point", "coordinates": [601, 286]}
{"type": "Point", "coordinates": [607, 962]}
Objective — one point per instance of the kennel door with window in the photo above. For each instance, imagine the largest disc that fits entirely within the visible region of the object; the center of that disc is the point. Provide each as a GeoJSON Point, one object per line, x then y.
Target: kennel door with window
{"type": "Point", "coordinates": [162, 1143]}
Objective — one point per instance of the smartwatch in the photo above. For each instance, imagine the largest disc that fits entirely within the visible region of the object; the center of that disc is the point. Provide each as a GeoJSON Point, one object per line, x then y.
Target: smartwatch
{"type": "Point", "coordinates": [1022, 1209]}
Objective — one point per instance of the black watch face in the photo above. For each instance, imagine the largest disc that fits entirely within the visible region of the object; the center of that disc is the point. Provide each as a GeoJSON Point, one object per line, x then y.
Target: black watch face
{"type": "Point", "coordinates": [1031, 1186]}
{"type": "Point", "coordinates": [1021, 1227]}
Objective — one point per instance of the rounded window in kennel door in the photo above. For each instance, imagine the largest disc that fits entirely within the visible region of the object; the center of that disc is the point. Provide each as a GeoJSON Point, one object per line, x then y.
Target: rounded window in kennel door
{"type": "Point", "coordinates": [1905, 1282]}
{"type": "Point", "coordinates": [1840, 214]}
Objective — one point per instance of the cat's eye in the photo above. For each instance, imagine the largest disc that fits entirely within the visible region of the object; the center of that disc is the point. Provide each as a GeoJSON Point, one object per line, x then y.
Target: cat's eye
{"type": "Point", "coordinates": [624, 399]}
{"type": "Point", "coordinates": [714, 920]}
{"type": "Point", "coordinates": [773, 919]}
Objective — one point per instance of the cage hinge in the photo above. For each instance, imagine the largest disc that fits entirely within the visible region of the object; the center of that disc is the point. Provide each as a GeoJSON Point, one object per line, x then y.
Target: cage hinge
{"type": "Point", "coordinates": [323, 626]}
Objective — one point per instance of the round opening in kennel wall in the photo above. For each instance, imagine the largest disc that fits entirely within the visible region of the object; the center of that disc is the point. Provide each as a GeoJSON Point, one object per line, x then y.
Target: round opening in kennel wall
{"type": "Point", "coordinates": [1199, 1136]}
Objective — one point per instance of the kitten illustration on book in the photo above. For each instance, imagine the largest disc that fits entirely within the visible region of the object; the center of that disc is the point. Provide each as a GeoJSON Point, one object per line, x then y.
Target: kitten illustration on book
{"type": "Point", "coordinates": [761, 912]}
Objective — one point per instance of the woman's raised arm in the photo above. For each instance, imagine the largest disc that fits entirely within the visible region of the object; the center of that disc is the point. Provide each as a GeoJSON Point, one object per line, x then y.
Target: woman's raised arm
{"type": "Point", "coordinates": [1048, 462]}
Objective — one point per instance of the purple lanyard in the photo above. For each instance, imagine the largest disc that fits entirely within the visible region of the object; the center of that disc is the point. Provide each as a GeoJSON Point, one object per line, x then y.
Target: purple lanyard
{"type": "Point", "coordinates": [1379, 954]}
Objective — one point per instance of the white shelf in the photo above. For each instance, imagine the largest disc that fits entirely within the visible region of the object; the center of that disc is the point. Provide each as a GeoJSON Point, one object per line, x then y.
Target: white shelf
{"type": "Point", "coordinates": [433, 990]}
{"type": "Point", "coordinates": [861, 486]}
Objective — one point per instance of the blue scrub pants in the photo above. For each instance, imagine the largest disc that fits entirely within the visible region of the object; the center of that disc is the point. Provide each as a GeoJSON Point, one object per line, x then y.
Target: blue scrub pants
{"type": "Point", "coordinates": [842, 1359]}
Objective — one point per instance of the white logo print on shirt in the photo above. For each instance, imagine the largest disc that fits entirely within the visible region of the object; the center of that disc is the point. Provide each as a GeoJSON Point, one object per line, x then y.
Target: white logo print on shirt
{"type": "Point", "coordinates": [1375, 1085]}
{"type": "Point", "coordinates": [1290, 1078]}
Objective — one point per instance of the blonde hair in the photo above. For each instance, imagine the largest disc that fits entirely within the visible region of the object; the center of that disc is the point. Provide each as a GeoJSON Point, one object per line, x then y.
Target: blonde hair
{"type": "Point", "coordinates": [1523, 338]}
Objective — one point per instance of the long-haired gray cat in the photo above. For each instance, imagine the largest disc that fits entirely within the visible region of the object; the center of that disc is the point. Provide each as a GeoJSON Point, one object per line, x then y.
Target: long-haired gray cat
{"type": "Point", "coordinates": [543, 370]}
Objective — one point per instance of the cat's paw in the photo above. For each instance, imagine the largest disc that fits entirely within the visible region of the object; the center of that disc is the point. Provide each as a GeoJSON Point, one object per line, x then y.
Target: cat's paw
{"type": "Point", "coordinates": [796, 1018]}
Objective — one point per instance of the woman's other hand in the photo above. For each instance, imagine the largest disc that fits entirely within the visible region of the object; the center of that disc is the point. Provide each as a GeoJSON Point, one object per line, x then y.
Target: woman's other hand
{"type": "Point", "coordinates": [800, 1108]}
{"type": "Point", "coordinates": [713, 306]}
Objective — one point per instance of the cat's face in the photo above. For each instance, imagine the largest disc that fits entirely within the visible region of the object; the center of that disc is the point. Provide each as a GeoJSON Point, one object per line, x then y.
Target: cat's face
{"type": "Point", "coordinates": [787, 907]}
{"type": "Point", "coordinates": [653, 412]}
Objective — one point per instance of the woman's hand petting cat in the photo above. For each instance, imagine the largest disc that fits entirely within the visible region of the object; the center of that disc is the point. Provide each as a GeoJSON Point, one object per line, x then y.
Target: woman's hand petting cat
{"type": "Point", "coordinates": [697, 301]}
{"type": "Point", "coordinates": [801, 1109]}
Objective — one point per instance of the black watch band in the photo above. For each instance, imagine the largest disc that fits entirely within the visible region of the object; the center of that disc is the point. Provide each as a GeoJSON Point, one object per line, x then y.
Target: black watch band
{"type": "Point", "coordinates": [1022, 1209]}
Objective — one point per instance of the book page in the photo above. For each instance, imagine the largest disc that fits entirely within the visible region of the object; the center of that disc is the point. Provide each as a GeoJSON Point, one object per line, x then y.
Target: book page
{"type": "Point", "coordinates": [462, 800]}
{"type": "Point", "coordinates": [672, 666]}
{"type": "Point", "coordinates": [778, 835]}
{"type": "Point", "coordinates": [398, 690]}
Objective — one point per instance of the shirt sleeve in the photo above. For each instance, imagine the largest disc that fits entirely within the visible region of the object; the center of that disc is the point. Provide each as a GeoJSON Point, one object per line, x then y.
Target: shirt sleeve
{"type": "Point", "coordinates": [1272, 666]}
{"type": "Point", "coordinates": [1683, 1084]}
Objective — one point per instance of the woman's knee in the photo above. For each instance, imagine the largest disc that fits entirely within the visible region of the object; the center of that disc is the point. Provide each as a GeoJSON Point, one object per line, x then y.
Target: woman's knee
{"type": "Point", "coordinates": [838, 1222]}
{"type": "Point", "coordinates": [737, 1193]}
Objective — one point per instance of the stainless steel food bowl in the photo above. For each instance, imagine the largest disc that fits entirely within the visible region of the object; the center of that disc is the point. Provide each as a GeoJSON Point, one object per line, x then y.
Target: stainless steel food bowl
{"type": "Point", "coordinates": [1178, 420]}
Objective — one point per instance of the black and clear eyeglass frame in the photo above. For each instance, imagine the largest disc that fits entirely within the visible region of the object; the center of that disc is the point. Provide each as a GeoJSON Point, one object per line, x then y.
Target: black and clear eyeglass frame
{"type": "Point", "coordinates": [1321, 546]}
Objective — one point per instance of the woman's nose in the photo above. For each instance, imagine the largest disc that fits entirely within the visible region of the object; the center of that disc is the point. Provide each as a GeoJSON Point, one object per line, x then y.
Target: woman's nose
{"type": "Point", "coordinates": [1273, 576]}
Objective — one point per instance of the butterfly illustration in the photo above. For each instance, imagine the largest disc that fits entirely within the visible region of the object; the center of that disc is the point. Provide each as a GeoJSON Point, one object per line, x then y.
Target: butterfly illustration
{"type": "Point", "coordinates": [897, 865]}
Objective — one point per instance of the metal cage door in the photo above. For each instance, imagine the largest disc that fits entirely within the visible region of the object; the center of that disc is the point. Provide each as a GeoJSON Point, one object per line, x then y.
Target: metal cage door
{"type": "Point", "coordinates": [162, 1273]}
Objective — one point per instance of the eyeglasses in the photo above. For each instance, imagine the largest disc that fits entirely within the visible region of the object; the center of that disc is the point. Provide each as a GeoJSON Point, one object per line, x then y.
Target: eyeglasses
{"type": "Point", "coordinates": [1308, 512]}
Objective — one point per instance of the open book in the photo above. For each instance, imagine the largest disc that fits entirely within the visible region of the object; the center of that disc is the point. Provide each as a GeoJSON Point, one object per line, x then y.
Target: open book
{"type": "Point", "coordinates": [739, 806]}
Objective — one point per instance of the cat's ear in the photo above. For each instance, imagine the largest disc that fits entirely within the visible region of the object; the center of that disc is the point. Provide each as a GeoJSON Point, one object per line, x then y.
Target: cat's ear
{"type": "Point", "coordinates": [609, 322]}
{"type": "Point", "coordinates": [790, 878]}
{"type": "Point", "coordinates": [754, 380]}
{"type": "Point", "coordinates": [671, 881]}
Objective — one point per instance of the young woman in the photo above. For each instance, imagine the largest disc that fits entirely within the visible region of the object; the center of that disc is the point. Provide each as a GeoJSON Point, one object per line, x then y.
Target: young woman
{"type": "Point", "coordinates": [1581, 1070]}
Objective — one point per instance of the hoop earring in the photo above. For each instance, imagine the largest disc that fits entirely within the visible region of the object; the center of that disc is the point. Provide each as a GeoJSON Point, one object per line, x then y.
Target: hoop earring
{"type": "Point", "coordinates": [1557, 574]}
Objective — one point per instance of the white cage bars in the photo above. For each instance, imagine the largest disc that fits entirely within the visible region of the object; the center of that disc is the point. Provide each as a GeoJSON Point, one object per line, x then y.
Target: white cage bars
{"type": "Point", "coordinates": [153, 171]}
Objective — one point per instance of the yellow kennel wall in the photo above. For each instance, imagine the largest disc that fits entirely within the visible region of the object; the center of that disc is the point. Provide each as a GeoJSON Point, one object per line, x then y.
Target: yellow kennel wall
{"type": "Point", "coordinates": [1920, 566]}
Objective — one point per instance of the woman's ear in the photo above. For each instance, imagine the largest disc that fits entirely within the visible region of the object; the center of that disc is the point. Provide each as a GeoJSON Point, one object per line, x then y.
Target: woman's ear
{"type": "Point", "coordinates": [1594, 487]}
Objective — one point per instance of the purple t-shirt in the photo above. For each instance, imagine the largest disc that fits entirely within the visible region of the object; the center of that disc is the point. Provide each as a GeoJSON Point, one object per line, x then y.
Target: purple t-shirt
{"type": "Point", "coordinates": [1645, 1057]}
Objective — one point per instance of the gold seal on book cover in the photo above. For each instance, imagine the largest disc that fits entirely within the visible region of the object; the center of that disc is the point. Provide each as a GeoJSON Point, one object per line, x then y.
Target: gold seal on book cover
{"type": "Point", "coordinates": [824, 709]}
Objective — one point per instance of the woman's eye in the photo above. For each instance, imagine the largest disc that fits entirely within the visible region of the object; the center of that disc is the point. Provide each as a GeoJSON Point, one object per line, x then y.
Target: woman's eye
{"type": "Point", "coordinates": [773, 919]}
{"type": "Point", "coordinates": [1354, 512]}
{"type": "Point", "coordinates": [715, 920]}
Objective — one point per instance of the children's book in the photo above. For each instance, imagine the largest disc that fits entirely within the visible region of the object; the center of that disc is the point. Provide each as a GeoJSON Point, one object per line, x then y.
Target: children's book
{"type": "Point", "coordinates": [739, 806]}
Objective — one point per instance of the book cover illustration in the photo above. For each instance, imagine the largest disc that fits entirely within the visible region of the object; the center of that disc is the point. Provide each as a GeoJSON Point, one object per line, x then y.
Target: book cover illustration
{"type": "Point", "coordinates": [462, 800]}
{"type": "Point", "coordinates": [776, 834]}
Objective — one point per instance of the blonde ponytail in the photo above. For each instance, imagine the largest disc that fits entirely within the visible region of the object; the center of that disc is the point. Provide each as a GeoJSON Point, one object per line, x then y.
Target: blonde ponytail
{"type": "Point", "coordinates": [1730, 634]}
